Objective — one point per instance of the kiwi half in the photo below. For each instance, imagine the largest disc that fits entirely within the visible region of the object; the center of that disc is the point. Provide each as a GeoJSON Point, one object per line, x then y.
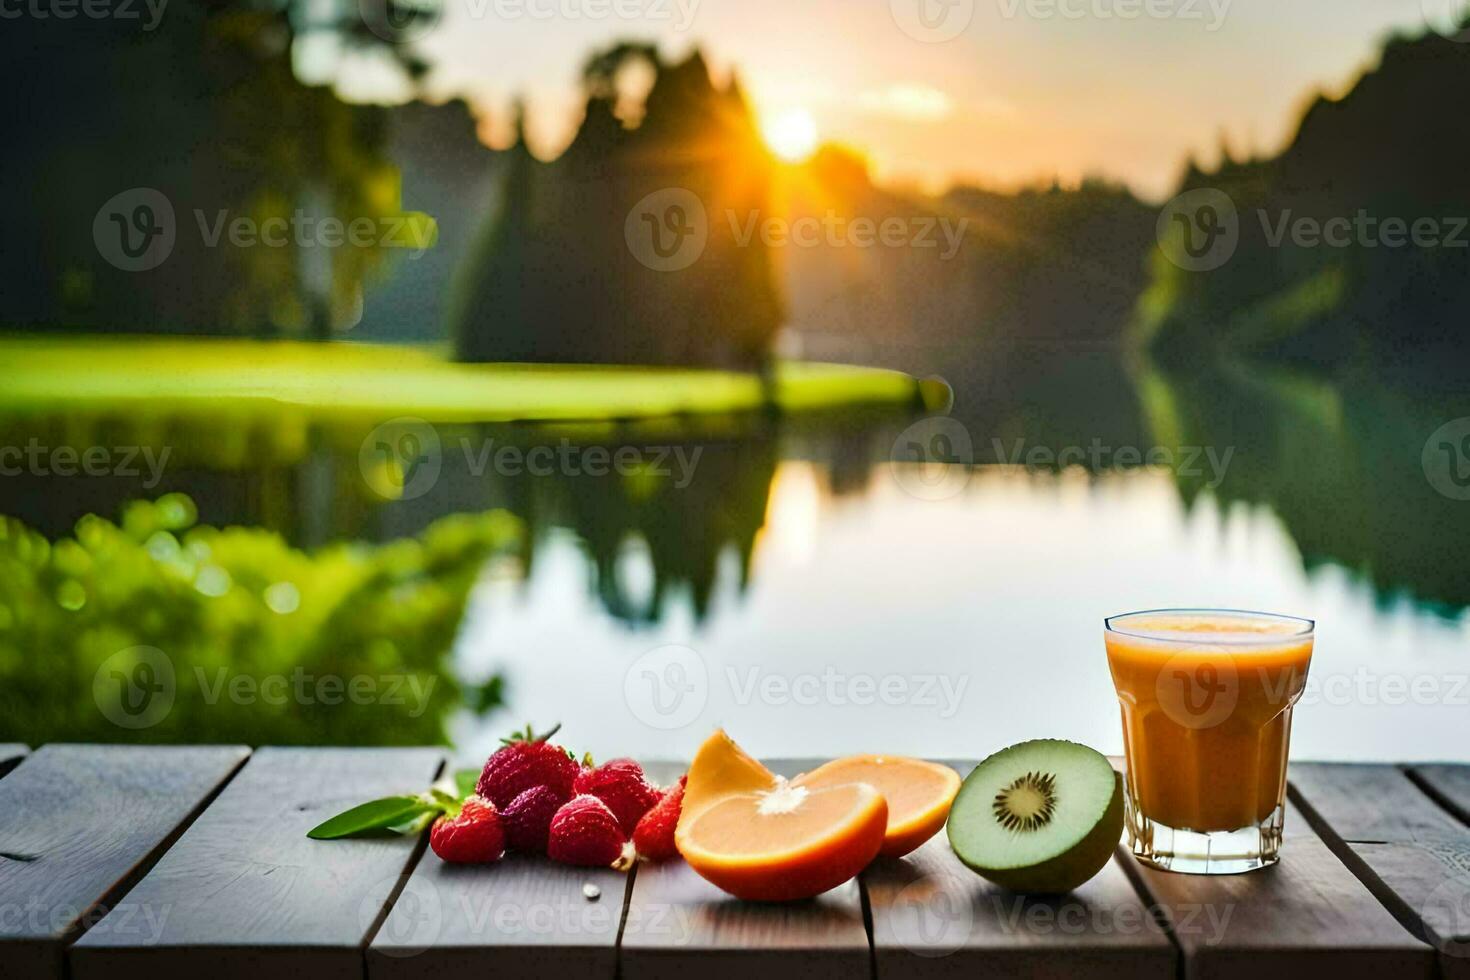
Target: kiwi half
{"type": "Point", "coordinates": [1040, 817]}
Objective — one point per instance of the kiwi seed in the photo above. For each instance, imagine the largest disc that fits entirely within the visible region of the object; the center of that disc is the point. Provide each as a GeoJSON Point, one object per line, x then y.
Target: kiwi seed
{"type": "Point", "coordinates": [1027, 803]}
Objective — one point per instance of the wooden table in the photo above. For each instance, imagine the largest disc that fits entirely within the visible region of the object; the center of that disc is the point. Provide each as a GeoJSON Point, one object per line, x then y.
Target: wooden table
{"type": "Point", "coordinates": [121, 862]}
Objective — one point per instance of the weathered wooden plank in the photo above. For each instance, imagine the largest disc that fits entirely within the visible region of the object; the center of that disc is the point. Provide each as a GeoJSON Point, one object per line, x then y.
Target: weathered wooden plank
{"type": "Point", "coordinates": [78, 824]}
{"type": "Point", "coordinates": [1307, 915]}
{"type": "Point", "coordinates": [1450, 786]}
{"type": "Point", "coordinates": [10, 756]}
{"type": "Point", "coordinates": [525, 916]}
{"type": "Point", "coordinates": [1412, 855]}
{"type": "Point", "coordinates": [934, 918]}
{"type": "Point", "coordinates": [244, 894]}
{"type": "Point", "coordinates": [681, 926]}
{"type": "Point", "coordinates": [1364, 803]}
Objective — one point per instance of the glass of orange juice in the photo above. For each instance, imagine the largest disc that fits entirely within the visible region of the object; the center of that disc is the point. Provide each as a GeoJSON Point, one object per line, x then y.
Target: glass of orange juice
{"type": "Point", "coordinates": [1207, 697]}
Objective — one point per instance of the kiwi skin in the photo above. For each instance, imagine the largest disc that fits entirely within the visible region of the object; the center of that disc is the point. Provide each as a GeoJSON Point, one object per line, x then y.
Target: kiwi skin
{"type": "Point", "coordinates": [1067, 871]}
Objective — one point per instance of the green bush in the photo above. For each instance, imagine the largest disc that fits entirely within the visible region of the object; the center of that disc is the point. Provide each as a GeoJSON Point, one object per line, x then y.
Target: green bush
{"type": "Point", "coordinates": [251, 640]}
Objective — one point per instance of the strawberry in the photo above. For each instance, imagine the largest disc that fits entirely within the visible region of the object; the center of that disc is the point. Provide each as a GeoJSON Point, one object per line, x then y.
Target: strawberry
{"type": "Point", "coordinates": [471, 836]}
{"type": "Point", "coordinates": [619, 784]}
{"type": "Point", "coordinates": [653, 838]}
{"type": "Point", "coordinates": [527, 820]}
{"type": "Point", "coordinates": [527, 760]}
{"type": "Point", "coordinates": [585, 832]}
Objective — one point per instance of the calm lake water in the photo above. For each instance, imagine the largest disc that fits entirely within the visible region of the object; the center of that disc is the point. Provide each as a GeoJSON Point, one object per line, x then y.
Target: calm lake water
{"type": "Point", "coordinates": [878, 620]}
{"type": "Point", "coordinates": [815, 591]}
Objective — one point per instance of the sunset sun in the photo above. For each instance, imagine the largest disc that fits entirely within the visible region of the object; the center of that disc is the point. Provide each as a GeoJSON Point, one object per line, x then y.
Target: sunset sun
{"type": "Point", "coordinates": [791, 135]}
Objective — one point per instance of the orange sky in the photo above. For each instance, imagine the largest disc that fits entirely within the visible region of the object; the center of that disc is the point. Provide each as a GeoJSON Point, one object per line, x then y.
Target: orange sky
{"type": "Point", "coordinates": [1024, 90]}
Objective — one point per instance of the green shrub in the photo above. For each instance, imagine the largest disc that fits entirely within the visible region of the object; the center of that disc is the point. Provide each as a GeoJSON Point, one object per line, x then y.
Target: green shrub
{"type": "Point", "coordinates": [257, 642]}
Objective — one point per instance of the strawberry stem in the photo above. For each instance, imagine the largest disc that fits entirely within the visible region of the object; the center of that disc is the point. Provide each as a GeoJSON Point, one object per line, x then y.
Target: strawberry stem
{"type": "Point", "coordinates": [529, 735]}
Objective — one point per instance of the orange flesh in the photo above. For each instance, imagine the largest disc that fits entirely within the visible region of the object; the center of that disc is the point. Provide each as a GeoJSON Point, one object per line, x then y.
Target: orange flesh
{"type": "Point", "coordinates": [789, 843]}
{"type": "Point", "coordinates": [918, 793]}
{"type": "Point", "coordinates": [760, 838]}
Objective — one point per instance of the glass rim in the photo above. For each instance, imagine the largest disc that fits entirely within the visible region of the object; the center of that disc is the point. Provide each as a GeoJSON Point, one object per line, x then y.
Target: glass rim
{"type": "Point", "coordinates": [1305, 627]}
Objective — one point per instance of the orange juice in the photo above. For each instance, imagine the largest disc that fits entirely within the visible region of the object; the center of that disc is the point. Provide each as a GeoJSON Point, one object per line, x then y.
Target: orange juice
{"type": "Point", "coordinates": [1206, 697]}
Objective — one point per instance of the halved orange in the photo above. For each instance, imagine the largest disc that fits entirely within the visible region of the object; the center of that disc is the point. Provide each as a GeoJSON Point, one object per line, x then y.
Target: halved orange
{"type": "Point", "coordinates": [761, 838]}
{"type": "Point", "coordinates": [919, 793]}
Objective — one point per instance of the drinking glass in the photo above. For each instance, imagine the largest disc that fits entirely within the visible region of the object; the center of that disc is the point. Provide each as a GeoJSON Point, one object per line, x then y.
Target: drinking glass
{"type": "Point", "coordinates": [1207, 696]}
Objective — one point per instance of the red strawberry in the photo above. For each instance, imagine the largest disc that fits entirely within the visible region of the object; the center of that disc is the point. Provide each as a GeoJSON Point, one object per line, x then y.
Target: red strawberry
{"type": "Point", "coordinates": [472, 836]}
{"type": "Point", "coordinates": [619, 784]}
{"type": "Point", "coordinates": [527, 760]}
{"type": "Point", "coordinates": [585, 832]}
{"type": "Point", "coordinates": [653, 839]}
{"type": "Point", "coordinates": [527, 820]}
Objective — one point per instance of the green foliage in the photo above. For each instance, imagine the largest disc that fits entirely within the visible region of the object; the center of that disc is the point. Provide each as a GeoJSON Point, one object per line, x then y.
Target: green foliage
{"type": "Point", "coordinates": [265, 644]}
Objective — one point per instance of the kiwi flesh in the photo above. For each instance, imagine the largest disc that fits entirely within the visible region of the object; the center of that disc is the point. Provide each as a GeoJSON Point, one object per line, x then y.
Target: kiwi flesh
{"type": "Point", "coordinates": [1041, 817]}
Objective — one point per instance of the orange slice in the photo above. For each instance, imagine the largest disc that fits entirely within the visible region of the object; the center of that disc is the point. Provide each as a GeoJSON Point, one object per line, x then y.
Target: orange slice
{"type": "Point", "coordinates": [919, 793]}
{"type": "Point", "coordinates": [761, 838]}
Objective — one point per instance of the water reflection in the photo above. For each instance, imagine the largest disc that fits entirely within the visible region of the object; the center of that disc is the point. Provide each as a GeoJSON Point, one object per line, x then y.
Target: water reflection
{"type": "Point", "coordinates": [788, 541]}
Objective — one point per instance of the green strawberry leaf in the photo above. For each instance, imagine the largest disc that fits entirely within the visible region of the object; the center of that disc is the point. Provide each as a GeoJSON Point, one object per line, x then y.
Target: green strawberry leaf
{"type": "Point", "coordinates": [376, 815]}
{"type": "Point", "coordinates": [465, 780]}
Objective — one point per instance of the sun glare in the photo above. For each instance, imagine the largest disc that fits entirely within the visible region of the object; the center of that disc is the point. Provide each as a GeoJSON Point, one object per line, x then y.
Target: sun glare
{"type": "Point", "coordinates": [791, 135]}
